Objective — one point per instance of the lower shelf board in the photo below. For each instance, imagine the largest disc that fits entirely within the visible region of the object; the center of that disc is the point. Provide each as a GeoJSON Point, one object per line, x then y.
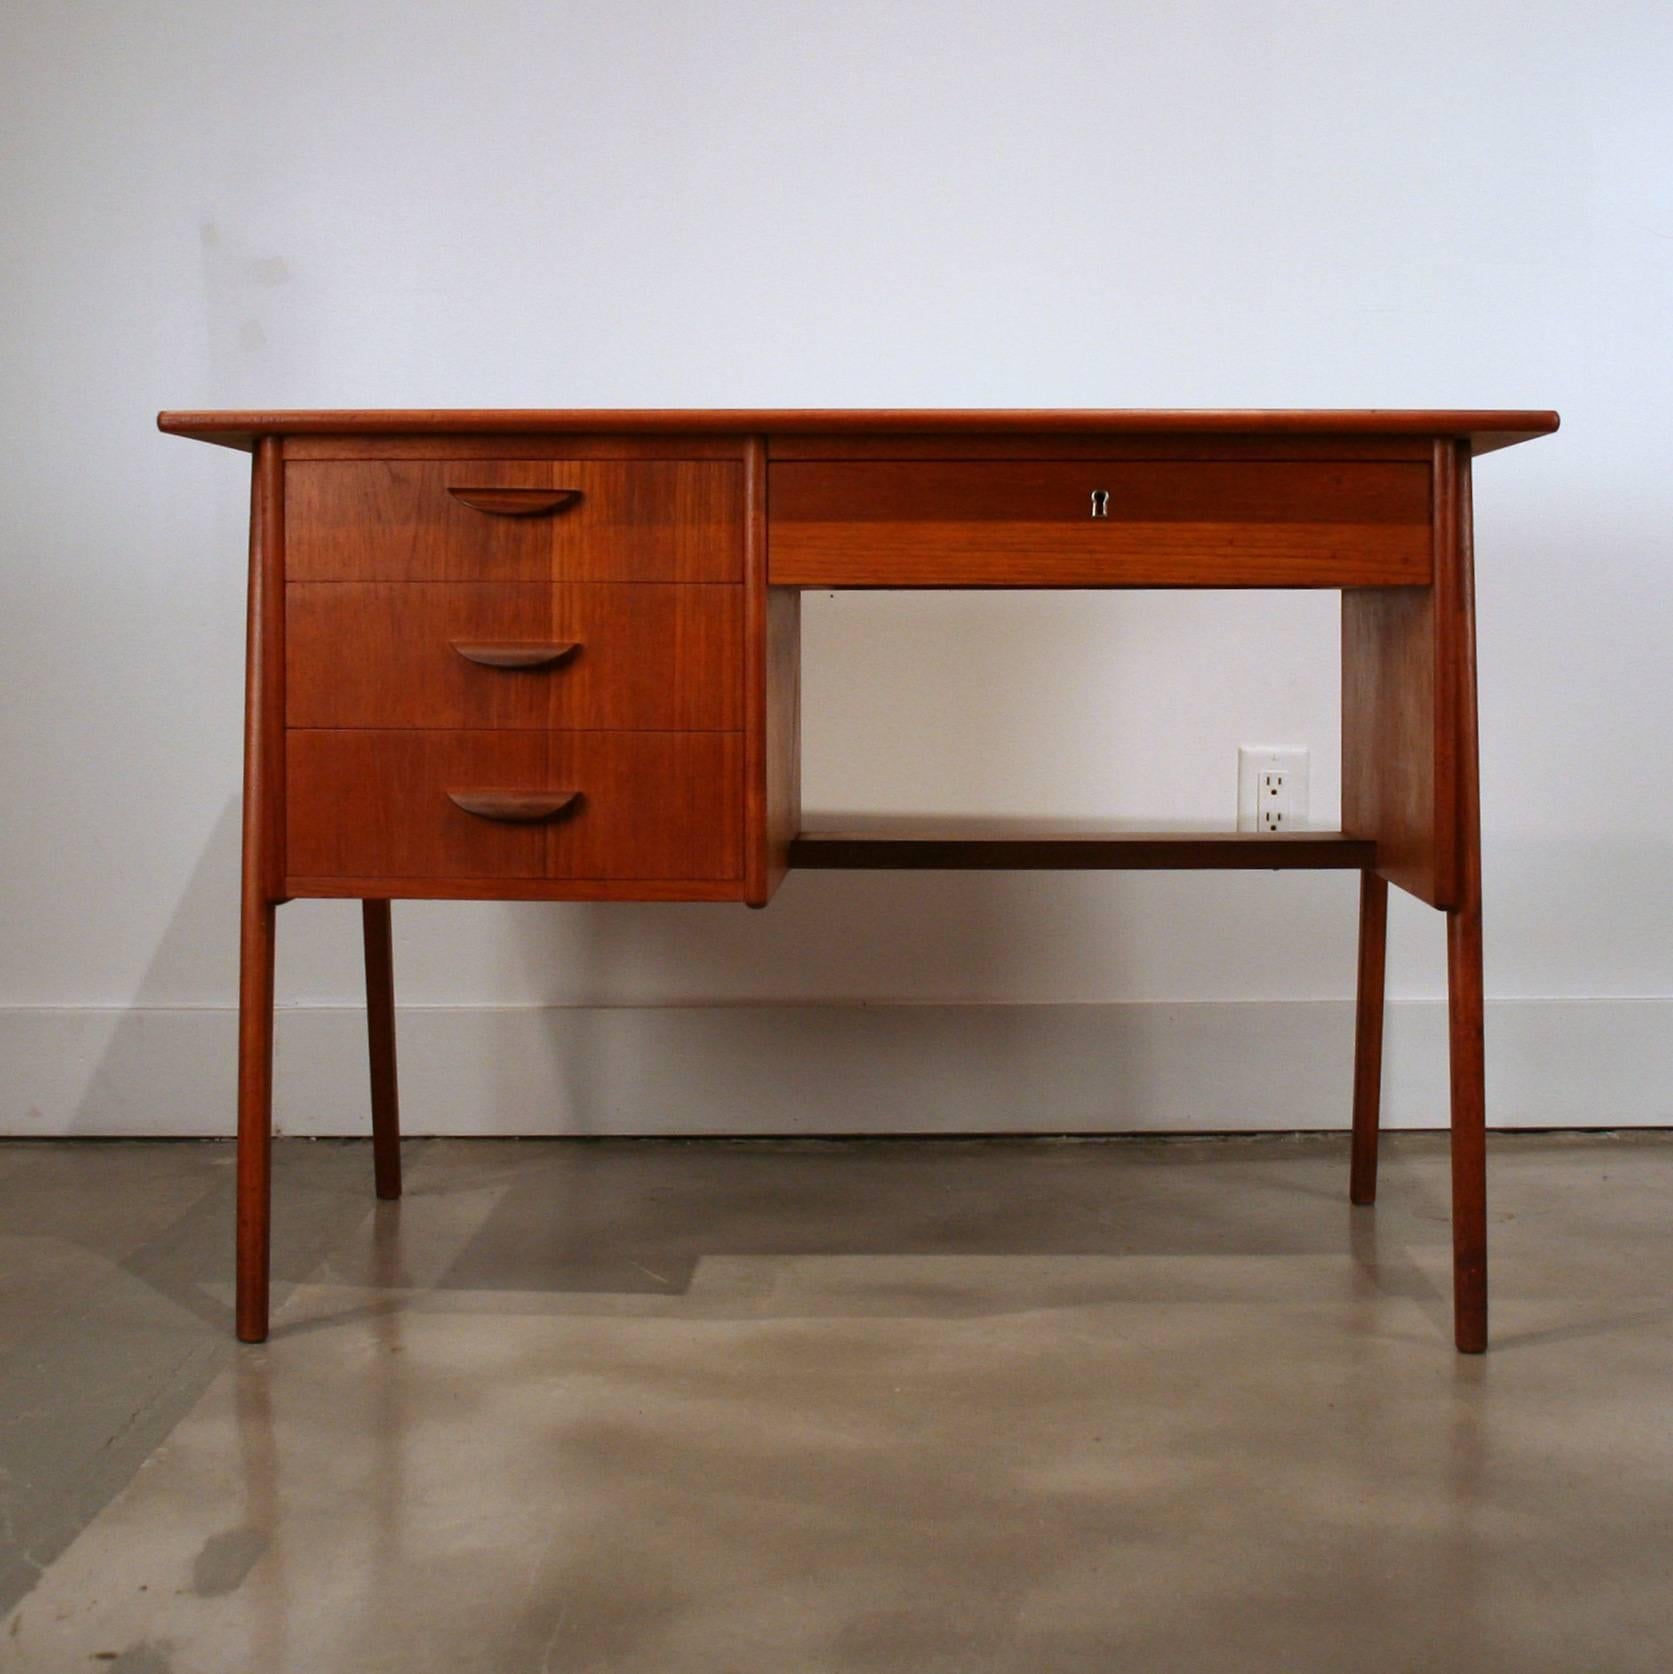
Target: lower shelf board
{"type": "Point", "coordinates": [967, 847]}
{"type": "Point", "coordinates": [514, 889]}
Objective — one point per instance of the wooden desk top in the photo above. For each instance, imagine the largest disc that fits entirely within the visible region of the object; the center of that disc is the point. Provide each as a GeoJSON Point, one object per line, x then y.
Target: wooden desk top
{"type": "Point", "coordinates": [1485, 430]}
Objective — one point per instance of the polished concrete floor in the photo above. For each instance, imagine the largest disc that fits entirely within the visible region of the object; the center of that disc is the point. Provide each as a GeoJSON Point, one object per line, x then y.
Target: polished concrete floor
{"type": "Point", "coordinates": [926, 1407]}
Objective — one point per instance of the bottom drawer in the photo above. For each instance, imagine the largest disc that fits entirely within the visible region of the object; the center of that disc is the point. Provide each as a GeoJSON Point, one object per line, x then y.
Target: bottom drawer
{"type": "Point", "coordinates": [645, 805]}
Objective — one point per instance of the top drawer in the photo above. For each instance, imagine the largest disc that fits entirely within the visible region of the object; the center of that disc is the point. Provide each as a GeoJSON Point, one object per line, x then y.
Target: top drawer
{"type": "Point", "coordinates": [514, 520]}
{"type": "Point", "coordinates": [1098, 523]}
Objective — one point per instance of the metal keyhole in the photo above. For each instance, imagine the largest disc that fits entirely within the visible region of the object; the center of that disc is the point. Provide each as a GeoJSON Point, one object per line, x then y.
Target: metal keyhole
{"type": "Point", "coordinates": [1100, 502]}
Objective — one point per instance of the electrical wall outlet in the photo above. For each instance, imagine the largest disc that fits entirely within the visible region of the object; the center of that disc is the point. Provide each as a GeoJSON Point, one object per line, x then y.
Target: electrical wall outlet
{"type": "Point", "coordinates": [1271, 789]}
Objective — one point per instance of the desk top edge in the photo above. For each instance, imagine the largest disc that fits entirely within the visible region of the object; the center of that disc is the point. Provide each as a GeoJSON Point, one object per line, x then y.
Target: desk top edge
{"type": "Point", "coordinates": [1486, 429]}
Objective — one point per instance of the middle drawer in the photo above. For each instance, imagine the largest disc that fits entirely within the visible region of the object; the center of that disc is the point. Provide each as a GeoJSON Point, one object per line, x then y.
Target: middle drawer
{"type": "Point", "coordinates": [433, 654]}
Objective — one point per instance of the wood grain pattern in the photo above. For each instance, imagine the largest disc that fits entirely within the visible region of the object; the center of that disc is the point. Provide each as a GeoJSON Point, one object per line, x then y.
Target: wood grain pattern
{"type": "Point", "coordinates": [650, 656]}
{"type": "Point", "coordinates": [1399, 718]}
{"type": "Point", "coordinates": [1050, 491]}
{"type": "Point", "coordinates": [966, 849]}
{"type": "Point", "coordinates": [1157, 445]}
{"type": "Point", "coordinates": [645, 520]}
{"type": "Point", "coordinates": [1483, 429]}
{"type": "Point", "coordinates": [1157, 524]}
{"type": "Point", "coordinates": [654, 805]}
{"type": "Point", "coordinates": [1394, 787]}
{"type": "Point", "coordinates": [439, 444]}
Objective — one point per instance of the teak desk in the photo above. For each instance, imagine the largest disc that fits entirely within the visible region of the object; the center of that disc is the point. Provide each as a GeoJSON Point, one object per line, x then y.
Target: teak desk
{"type": "Point", "coordinates": [553, 656]}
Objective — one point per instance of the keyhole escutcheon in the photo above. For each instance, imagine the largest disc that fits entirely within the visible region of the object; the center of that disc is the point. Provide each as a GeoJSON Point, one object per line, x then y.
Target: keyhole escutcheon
{"type": "Point", "coordinates": [1100, 502]}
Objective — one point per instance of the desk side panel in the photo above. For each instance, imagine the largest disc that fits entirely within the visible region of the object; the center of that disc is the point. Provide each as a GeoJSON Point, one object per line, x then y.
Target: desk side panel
{"type": "Point", "coordinates": [1402, 669]}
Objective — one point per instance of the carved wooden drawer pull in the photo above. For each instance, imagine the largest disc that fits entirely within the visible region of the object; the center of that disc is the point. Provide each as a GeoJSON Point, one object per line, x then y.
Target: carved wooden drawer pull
{"type": "Point", "coordinates": [514, 653]}
{"type": "Point", "coordinates": [515, 807]}
{"type": "Point", "coordinates": [517, 502]}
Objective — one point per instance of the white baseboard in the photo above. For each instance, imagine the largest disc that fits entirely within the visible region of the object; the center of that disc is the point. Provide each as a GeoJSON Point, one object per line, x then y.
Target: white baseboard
{"type": "Point", "coordinates": [801, 1070]}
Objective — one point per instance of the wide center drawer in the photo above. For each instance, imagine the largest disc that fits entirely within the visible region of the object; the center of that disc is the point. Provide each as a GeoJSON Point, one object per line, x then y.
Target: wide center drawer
{"type": "Point", "coordinates": [463, 805]}
{"type": "Point", "coordinates": [647, 656]}
{"type": "Point", "coordinates": [1098, 523]}
{"type": "Point", "coordinates": [514, 520]}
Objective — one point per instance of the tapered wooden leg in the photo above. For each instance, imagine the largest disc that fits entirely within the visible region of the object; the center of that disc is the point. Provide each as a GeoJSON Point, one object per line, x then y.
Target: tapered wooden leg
{"type": "Point", "coordinates": [1368, 1036]}
{"type": "Point", "coordinates": [262, 887]}
{"type": "Point", "coordinates": [255, 1117]}
{"type": "Point", "coordinates": [380, 1043]}
{"type": "Point", "coordinates": [1469, 1129]}
{"type": "Point", "coordinates": [1463, 980]}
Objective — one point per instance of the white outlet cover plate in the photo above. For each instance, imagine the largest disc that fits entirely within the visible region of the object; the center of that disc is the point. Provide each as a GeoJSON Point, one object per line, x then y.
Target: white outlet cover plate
{"type": "Point", "coordinates": [1254, 760]}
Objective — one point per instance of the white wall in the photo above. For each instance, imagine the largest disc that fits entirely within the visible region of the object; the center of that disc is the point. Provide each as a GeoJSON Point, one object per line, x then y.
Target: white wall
{"type": "Point", "coordinates": [1243, 202]}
